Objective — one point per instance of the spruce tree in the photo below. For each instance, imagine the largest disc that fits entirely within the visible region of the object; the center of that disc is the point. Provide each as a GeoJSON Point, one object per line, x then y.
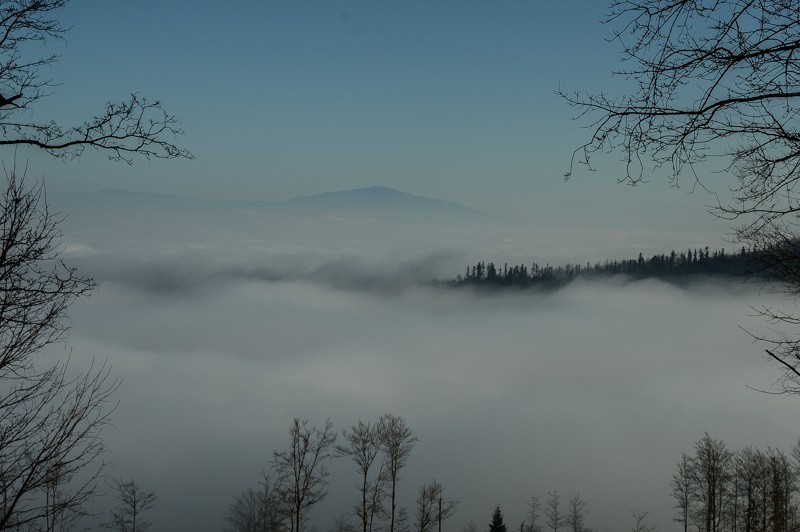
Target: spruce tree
{"type": "Point", "coordinates": [497, 524]}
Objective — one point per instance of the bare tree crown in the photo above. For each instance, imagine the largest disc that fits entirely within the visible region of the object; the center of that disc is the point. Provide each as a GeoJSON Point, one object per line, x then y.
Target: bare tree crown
{"type": "Point", "coordinates": [714, 80]}
{"type": "Point", "coordinates": [122, 129]}
{"type": "Point", "coordinates": [50, 422]}
{"type": "Point", "coordinates": [710, 78]}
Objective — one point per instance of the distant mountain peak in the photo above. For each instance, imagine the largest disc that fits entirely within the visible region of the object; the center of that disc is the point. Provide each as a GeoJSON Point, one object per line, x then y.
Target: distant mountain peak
{"type": "Point", "coordinates": [362, 191]}
{"type": "Point", "coordinates": [375, 201]}
{"type": "Point", "coordinates": [379, 189]}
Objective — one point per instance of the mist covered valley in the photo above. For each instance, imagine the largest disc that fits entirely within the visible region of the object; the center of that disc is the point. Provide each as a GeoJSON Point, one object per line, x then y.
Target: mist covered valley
{"type": "Point", "coordinates": [224, 322]}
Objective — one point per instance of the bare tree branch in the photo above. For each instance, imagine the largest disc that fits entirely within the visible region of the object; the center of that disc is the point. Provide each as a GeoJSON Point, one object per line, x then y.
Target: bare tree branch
{"type": "Point", "coordinates": [50, 419]}
{"type": "Point", "coordinates": [713, 80]}
{"type": "Point", "coordinates": [133, 126]}
{"type": "Point", "coordinates": [301, 476]}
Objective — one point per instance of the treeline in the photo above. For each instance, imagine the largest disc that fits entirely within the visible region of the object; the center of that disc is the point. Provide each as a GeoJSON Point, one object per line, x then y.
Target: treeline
{"type": "Point", "coordinates": [673, 266]}
{"type": "Point", "coordinates": [749, 490]}
{"type": "Point", "coordinates": [714, 489]}
{"type": "Point", "coordinates": [297, 480]}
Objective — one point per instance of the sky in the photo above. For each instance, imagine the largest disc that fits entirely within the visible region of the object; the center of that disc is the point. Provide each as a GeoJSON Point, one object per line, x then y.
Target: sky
{"type": "Point", "coordinates": [223, 323]}
{"type": "Point", "coordinates": [452, 100]}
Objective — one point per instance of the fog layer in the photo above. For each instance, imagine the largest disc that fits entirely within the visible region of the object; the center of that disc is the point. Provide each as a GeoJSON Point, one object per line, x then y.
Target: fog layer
{"type": "Point", "coordinates": [597, 388]}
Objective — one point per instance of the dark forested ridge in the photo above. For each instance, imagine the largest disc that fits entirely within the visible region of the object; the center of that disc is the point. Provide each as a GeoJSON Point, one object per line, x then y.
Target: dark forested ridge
{"type": "Point", "coordinates": [674, 267]}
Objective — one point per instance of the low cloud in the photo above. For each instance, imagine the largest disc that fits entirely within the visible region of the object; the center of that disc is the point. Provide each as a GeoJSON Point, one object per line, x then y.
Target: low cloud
{"type": "Point", "coordinates": [197, 273]}
{"type": "Point", "coordinates": [509, 393]}
{"type": "Point", "coordinates": [224, 328]}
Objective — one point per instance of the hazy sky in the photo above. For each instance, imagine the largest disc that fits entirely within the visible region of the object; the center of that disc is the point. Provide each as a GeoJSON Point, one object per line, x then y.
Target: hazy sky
{"type": "Point", "coordinates": [451, 99]}
{"type": "Point", "coordinates": [223, 325]}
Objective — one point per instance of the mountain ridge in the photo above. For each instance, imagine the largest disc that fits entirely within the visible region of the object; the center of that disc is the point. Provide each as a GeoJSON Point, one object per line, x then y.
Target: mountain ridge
{"type": "Point", "coordinates": [374, 201]}
{"type": "Point", "coordinates": [367, 202]}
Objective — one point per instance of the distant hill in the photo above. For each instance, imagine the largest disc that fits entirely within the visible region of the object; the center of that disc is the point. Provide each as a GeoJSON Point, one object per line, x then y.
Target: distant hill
{"type": "Point", "coordinates": [370, 202]}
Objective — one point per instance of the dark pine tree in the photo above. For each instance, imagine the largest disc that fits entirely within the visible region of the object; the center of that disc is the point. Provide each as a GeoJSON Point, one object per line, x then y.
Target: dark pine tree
{"type": "Point", "coordinates": [497, 524]}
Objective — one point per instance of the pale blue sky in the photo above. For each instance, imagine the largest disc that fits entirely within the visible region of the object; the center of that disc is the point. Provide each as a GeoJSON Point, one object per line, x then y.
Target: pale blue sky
{"type": "Point", "coordinates": [450, 99]}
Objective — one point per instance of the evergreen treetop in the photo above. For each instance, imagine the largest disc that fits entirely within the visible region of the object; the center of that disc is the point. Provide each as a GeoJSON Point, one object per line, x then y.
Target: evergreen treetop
{"type": "Point", "coordinates": [497, 524]}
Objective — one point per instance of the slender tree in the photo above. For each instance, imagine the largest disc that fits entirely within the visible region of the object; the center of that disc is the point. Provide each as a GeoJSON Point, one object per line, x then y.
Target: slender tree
{"type": "Point", "coordinates": [396, 441]}
{"type": "Point", "coordinates": [683, 491]}
{"type": "Point", "coordinates": [533, 514]}
{"type": "Point", "coordinates": [432, 507]}
{"type": "Point", "coordinates": [301, 476]}
{"type": "Point", "coordinates": [363, 447]}
{"type": "Point", "coordinates": [552, 511]}
{"type": "Point", "coordinates": [132, 501]}
{"type": "Point", "coordinates": [710, 473]}
{"type": "Point", "coordinates": [256, 510]}
{"type": "Point", "coordinates": [640, 523]}
{"type": "Point", "coordinates": [575, 517]}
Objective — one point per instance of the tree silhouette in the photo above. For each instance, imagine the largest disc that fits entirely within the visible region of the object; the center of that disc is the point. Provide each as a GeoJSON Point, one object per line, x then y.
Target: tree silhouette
{"type": "Point", "coordinates": [256, 510]}
{"type": "Point", "coordinates": [396, 440]}
{"type": "Point", "coordinates": [533, 514]}
{"type": "Point", "coordinates": [576, 514]}
{"type": "Point", "coordinates": [497, 524]}
{"type": "Point", "coordinates": [724, 491]}
{"type": "Point", "coordinates": [135, 126]}
{"type": "Point", "coordinates": [50, 419]}
{"type": "Point", "coordinates": [363, 448]}
{"type": "Point", "coordinates": [552, 511]}
{"type": "Point", "coordinates": [432, 507]}
{"type": "Point", "coordinates": [713, 81]}
{"type": "Point", "coordinates": [301, 476]}
{"type": "Point", "coordinates": [133, 501]}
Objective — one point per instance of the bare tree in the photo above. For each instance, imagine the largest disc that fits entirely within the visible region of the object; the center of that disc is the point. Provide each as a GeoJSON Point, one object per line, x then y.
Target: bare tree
{"type": "Point", "coordinates": [123, 129]}
{"type": "Point", "coordinates": [433, 508]}
{"type": "Point", "coordinates": [640, 523]}
{"type": "Point", "coordinates": [301, 476]}
{"type": "Point", "coordinates": [133, 501]}
{"type": "Point", "coordinates": [751, 473]}
{"type": "Point", "coordinates": [683, 491]}
{"type": "Point", "coordinates": [50, 418]}
{"type": "Point", "coordinates": [60, 516]}
{"type": "Point", "coordinates": [711, 470]}
{"type": "Point", "coordinates": [401, 522]}
{"type": "Point", "coordinates": [533, 514]}
{"type": "Point", "coordinates": [397, 441]}
{"type": "Point", "coordinates": [243, 512]}
{"type": "Point", "coordinates": [256, 510]}
{"type": "Point", "coordinates": [715, 87]}
{"type": "Point", "coordinates": [363, 447]}
{"type": "Point", "coordinates": [552, 511]}
{"type": "Point", "coordinates": [575, 517]}
{"type": "Point", "coordinates": [746, 491]}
